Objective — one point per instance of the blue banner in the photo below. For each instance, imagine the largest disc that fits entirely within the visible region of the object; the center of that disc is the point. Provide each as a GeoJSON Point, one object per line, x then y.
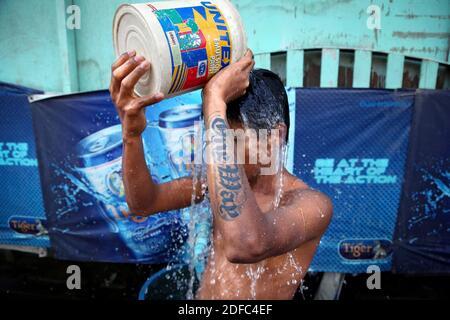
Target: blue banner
{"type": "Point", "coordinates": [22, 217]}
{"type": "Point", "coordinates": [423, 228]}
{"type": "Point", "coordinates": [351, 145]}
{"type": "Point", "coordinates": [79, 143]}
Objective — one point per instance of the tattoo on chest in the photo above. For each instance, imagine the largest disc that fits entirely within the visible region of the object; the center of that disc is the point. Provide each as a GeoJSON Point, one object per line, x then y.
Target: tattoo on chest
{"type": "Point", "coordinates": [228, 182]}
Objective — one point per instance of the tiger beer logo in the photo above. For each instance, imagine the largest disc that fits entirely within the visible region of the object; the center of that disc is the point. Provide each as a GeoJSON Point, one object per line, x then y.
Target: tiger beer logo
{"type": "Point", "coordinates": [27, 225]}
{"type": "Point", "coordinates": [355, 249]}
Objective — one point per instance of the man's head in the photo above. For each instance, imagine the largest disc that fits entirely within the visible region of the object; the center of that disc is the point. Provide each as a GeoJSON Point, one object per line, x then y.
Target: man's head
{"type": "Point", "coordinates": [264, 106]}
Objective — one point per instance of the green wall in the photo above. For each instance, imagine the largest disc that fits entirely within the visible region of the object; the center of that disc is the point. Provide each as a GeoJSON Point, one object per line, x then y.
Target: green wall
{"type": "Point", "coordinates": [37, 50]}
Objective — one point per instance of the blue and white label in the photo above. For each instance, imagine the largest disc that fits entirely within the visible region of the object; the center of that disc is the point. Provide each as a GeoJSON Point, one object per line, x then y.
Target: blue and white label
{"type": "Point", "coordinates": [202, 68]}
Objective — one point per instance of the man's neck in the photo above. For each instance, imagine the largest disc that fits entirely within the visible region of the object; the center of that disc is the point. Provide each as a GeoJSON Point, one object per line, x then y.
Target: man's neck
{"type": "Point", "coordinates": [266, 184]}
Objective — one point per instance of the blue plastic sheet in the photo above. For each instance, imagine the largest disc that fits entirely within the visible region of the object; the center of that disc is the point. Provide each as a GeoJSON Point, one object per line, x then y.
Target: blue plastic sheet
{"type": "Point", "coordinates": [423, 228]}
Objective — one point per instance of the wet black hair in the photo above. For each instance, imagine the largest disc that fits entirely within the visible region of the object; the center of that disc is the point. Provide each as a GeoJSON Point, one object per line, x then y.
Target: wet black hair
{"type": "Point", "coordinates": [264, 106]}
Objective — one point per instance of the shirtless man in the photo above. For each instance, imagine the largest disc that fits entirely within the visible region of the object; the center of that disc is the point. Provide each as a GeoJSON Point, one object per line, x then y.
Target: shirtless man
{"type": "Point", "coordinates": [252, 235]}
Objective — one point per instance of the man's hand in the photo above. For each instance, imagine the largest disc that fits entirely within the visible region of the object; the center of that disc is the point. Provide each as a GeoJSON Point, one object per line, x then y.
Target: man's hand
{"type": "Point", "coordinates": [231, 82]}
{"type": "Point", "coordinates": [126, 72]}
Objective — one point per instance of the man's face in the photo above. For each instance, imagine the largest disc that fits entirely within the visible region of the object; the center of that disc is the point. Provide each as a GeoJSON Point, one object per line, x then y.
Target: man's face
{"type": "Point", "coordinates": [259, 155]}
{"type": "Point", "coordinates": [251, 169]}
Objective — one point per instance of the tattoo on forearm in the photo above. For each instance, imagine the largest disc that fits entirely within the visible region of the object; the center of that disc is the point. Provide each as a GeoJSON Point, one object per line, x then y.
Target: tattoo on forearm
{"type": "Point", "coordinates": [228, 182]}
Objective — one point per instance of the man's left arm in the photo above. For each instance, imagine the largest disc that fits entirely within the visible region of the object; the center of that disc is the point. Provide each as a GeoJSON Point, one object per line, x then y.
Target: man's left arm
{"type": "Point", "coordinates": [250, 235]}
{"type": "Point", "coordinates": [237, 216]}
{"type": "Point", "coordinates": [304, 219]}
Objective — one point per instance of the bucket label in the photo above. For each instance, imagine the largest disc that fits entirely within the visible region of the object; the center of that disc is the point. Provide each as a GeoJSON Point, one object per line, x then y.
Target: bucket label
{"type": "Point", "coordinates": [194, 59]}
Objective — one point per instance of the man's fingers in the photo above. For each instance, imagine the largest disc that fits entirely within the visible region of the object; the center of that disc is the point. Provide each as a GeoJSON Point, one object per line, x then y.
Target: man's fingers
{"type": "Point", "coordinates": [249, 67]}
{"type": "Point", "coordinates": [128, 83]}
{"type": "Point", "coordinates": [247, 63]}
{"type": "Point", "coordinates": [125, 69]}
{"type": "Point", "coordinates": [114, 86]}
{"type": "Point", "coordinates": [246, 72]}
{"type": "Point", "coordinates": [248, 57]}
{"type": "Point", "coordinates": [121, 72]}
{"type": "Point", "coordinates": [149, 100]}
{"type": "Point", "coordinates": [122, 59]}
{"type": "Point", "coordinates": [249, 54]}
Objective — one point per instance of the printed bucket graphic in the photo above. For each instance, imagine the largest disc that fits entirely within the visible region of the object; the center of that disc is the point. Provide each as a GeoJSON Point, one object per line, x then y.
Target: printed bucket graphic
{"type": "Point", "coordinates": [187, 42]}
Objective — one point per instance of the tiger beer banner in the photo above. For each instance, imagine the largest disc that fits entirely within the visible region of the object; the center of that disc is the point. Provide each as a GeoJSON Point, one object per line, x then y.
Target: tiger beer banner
{"type": "Point", "coordinates": [22, 217]}
{"type": "Point", "coordinates": [352, 145]}
{"type": "Point", "coordinates": [79, 143]}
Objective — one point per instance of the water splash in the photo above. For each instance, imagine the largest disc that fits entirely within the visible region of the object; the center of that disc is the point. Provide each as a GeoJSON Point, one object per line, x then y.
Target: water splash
{"type": "Point", "coordinates": [200, 220]}
{"type": "Point", "coordinates": [430, 202]}
{"type": "Point", "coordinates": [281, 160]}
{"type": "Point", "coordinates": [254, 273]}
{"type": "Point", "coordinates": [69, 191]}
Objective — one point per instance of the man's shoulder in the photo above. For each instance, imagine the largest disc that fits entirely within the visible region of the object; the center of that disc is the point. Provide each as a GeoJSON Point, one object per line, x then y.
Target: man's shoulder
{"type": "Point", "coordinates": [301, 195]}
{"type": "Point", "coordinates": [312, 196]}
{"type": "Point", "coordinates": [293, 183]}
{"type": "Point", "coordinates": [299, 187]}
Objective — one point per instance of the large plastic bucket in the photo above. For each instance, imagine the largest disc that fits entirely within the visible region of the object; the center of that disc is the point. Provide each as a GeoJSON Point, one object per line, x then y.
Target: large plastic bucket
{"type": "Point", "coordinates": [187, 42]}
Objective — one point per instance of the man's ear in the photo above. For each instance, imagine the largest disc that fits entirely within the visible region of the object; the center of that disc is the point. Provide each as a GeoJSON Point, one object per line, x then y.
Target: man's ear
{"type": "Point", "coordinates": [282, 131]}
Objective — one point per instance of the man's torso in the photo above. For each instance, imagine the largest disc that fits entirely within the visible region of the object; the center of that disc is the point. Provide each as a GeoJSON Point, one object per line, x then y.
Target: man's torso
{"type": "Point", "coordinates": [274, 278]}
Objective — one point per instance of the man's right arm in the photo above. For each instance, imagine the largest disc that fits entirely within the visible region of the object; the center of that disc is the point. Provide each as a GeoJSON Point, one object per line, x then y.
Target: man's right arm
{"type": "Point", "coordinates": [144, 197]}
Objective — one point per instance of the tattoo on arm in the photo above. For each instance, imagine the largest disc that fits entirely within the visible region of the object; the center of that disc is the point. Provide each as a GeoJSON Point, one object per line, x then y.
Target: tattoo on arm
{"type": "Point", "coordinates": [228, 182]}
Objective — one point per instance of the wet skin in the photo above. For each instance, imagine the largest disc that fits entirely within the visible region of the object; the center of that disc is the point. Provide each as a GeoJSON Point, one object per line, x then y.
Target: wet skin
{"type": "Point", "coordinates": [277, 277]}
{"type": "Point", "coordinates": [250, 232]}
{"type": "Point", "coordinates": [304, 212]}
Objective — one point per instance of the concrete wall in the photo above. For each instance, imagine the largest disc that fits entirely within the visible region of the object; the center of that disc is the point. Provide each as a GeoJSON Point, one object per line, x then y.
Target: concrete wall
{"type": "Point", "coordinates": [38, 51]}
